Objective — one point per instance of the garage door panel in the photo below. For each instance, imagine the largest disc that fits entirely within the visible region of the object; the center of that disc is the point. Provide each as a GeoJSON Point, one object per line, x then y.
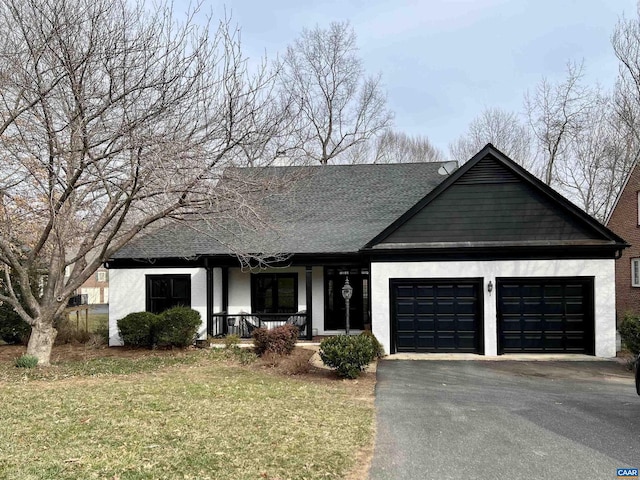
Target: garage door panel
{"type": "Point", "coordinates": [444, 291]}
{"type": "Point", "coordinates": [425, 324]}
{"type": "Point", "coordinates": [443, 316]}
{"type": "Point", "coordinates": [424, 307]}
{"type": "Point", "coordinates": [405, 308]}
{"type": "Point", "coordinates": [405, 341]}
{"type": "Point", "coordinates": [424, 291]}
{"type": "Point", "coordinates": [468, 291]}
{"type": "Point", "coordinates": [545, 315]}
{"type": "Point", "coordinates": [466, 307]}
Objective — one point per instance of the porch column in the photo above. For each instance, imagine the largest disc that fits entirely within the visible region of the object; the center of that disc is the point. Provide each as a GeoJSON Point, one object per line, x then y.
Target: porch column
{"type": "Point", "coordinates": [209, 271]}
{"type": "Point", "coordinates": [309, 295]}
{"type": "Point", "coordinates": [225, 296]}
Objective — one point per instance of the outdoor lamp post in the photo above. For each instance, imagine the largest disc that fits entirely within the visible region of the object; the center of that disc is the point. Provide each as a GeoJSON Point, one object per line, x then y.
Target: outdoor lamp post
{"type": "Point", "coordinates": [347, 291]}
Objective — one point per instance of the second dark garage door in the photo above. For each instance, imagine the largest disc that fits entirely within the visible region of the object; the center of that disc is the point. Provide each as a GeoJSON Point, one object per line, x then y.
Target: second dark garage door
{"type": "Point", "coordinates": [436, 315]}
{"type": "Point", "coordinates": [545, 315]}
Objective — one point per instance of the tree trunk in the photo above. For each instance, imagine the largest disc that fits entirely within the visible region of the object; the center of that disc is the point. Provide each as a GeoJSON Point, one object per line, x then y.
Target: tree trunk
{"type": "Point", "coordinates": [41, 342]}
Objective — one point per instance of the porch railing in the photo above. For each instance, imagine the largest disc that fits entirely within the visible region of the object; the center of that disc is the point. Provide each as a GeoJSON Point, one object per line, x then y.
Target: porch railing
{"type": "Point", "coordinates": [243, 324]}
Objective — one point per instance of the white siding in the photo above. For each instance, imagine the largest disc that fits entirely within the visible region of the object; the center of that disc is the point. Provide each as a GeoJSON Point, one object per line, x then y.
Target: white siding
{"type": "Point", "coordinates": [128, 294]}
{"type": "Point", "coordinates": [602, 270]}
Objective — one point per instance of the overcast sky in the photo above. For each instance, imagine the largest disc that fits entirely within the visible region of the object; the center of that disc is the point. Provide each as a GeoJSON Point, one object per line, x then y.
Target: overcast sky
{"type": "Point", "coordinates": [444, 61]}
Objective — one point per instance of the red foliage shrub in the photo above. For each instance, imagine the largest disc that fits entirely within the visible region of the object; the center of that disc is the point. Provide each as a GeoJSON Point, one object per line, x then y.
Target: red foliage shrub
{"type": "Point", "coordinates": [279, 340]}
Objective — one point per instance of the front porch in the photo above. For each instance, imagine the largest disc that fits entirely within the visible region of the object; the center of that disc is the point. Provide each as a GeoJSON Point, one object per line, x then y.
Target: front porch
{"type": "Point", "coordinates": [308, 297]}
{"type": "Point", "coordinates": [232, 300]}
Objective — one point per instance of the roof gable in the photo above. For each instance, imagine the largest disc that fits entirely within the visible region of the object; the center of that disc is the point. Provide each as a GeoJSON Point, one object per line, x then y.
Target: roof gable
{"type": "Point", "coordinates": [493, 201]}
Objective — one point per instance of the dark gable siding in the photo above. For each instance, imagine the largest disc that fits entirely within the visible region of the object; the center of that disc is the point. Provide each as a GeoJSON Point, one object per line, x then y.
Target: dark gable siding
{"type": "Point", "coordinates": [491, 203]}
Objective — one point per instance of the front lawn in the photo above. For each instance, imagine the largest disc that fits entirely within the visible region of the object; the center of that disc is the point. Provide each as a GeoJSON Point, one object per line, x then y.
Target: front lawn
{"type": "Point", "coordinates": [194, 416]}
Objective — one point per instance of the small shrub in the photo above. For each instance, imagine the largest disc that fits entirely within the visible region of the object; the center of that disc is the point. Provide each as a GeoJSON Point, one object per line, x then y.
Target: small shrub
{"type": "Point", "coordinates": [26, 361]}
{"type": "Point", "coordinates": [378, 346]}
{"type": "Point", "coordinates": [139, 329]}
{"type": "Point", "coordinates": [231, 341]}
{"type": "Point", "coordinates": [12, 328]}
{"type": "Point", "coordinates": [630, 333]}
{"type": "Point", "coordinates": [295, 365]}
{"type": "Point", "coordinates": [279, 340]}
{"type": "Point", "coordinates": [178, 327]}
{"type": "Point", "coordinates": [245, 356]}
{"type": "Point", "coordinates": [349, 355]}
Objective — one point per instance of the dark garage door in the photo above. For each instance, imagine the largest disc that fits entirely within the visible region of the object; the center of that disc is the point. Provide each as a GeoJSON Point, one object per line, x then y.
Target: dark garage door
{"type": "Point", "coordinates": [436, 315]}
{"type": "Point", "coordinates": [553, 315]}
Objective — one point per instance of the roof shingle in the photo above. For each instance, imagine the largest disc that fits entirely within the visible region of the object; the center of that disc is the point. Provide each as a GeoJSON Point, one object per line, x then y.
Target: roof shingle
{"type": "Point", "coordinates": [330, 209]}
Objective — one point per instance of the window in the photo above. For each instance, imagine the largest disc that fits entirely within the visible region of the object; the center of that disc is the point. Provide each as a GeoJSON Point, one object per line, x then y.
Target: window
{"type": "Point", "coordinates": [166, 291]}
{"type": "Point", "coordinates": [638, 205]}
{"type": "Point", "coordinates": [102, 276]}
{"type": "Point", "coordinates": [635, 272]}
{"type": "Point", "coordinates": [274, 293]}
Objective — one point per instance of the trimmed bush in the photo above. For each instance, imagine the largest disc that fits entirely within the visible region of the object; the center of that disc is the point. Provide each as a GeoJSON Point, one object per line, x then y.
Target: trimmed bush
{"type": "Point", "coordinates": [26, 361]}
{"type": "Point", "coordinates": [630, 333]}
{"type": "Point", "coordinates": [349, 355]}
{"type": "Point", "coordinates": [12, 328]}
{"type": "Point", "coordinates": [139, 329]}
{"type": "Point", "coordinates": [378, 346]}
{"type": "Point", "coordinates": [279, 340]}
{"type": "Point", "coordinates": [178, 327]}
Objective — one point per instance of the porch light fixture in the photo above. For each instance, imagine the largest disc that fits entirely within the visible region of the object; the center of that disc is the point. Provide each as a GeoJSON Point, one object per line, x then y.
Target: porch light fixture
{"type": "Point", "coordinates": [490, 287]}
{"type": "Point", "coordinates": [347, 292]}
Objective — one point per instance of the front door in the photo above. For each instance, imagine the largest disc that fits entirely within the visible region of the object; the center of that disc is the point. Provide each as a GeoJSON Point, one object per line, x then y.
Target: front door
{"type": "Point", "coordinates": [334, 313]}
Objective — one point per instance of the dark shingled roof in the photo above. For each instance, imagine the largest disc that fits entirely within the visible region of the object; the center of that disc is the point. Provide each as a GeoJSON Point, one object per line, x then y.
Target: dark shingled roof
{"type": "Point", "coordinates": [330, 209]}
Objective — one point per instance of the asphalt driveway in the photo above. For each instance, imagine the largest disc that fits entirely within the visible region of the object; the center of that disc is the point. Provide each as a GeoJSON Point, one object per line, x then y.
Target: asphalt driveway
{"type": "Point", "coordinates": [504, 420]}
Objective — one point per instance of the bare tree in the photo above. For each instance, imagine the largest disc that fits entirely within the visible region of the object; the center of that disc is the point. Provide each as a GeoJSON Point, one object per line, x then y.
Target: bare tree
{"type": "Point", "coordinates": [598, 157]}
{"type": "Point", "coordinates": [626, 45]}
{"type": "Point", "coordinates": [504, 130]}
{"type": "Point", "coordinates": [112, 119]}
{"type": "Point", "coordinates": [337, 106]}
{"type": "Point", "coordinates": [556, 112]}
{"type": "Point", "coordinates": [393, 147]}
{"type": "Point", "coordinates": [585, 146]}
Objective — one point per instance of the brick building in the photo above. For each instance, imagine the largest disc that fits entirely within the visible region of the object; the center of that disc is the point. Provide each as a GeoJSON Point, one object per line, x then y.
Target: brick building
{"type": "Point", "coordinates": [624, 220]}
{"type": "Point", "coordinates": [96, 287]}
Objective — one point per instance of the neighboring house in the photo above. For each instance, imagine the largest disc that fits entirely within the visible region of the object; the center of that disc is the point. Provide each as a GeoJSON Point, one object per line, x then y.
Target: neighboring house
{"type": "Point", "coordinates": [95, 287]}
{"type": "Point", "coordinates": [624, 220]}
{"type": "Point", "coordinates": [486, 260]}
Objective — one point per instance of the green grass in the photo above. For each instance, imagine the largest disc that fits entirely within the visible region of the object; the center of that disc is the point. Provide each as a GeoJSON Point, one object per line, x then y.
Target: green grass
{"type": "Point", "coordinates": [186, 417]}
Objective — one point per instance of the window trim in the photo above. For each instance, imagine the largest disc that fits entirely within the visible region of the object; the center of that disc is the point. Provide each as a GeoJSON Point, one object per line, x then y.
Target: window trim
{"type": "Point", "coordinates": [169, 276]}
{"type": "Point", "coordinates": [638, 209]}
{"type": "Point", "coordinates": [635, 272]}
{"type": "Point", "coordinates": [101, 276]}
{"type": "Point", "coordinates": [275, 275]}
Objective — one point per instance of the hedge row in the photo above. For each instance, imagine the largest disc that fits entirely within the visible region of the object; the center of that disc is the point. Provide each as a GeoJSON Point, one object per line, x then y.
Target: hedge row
{"type": "Point", "coordinates": [176, 327]}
